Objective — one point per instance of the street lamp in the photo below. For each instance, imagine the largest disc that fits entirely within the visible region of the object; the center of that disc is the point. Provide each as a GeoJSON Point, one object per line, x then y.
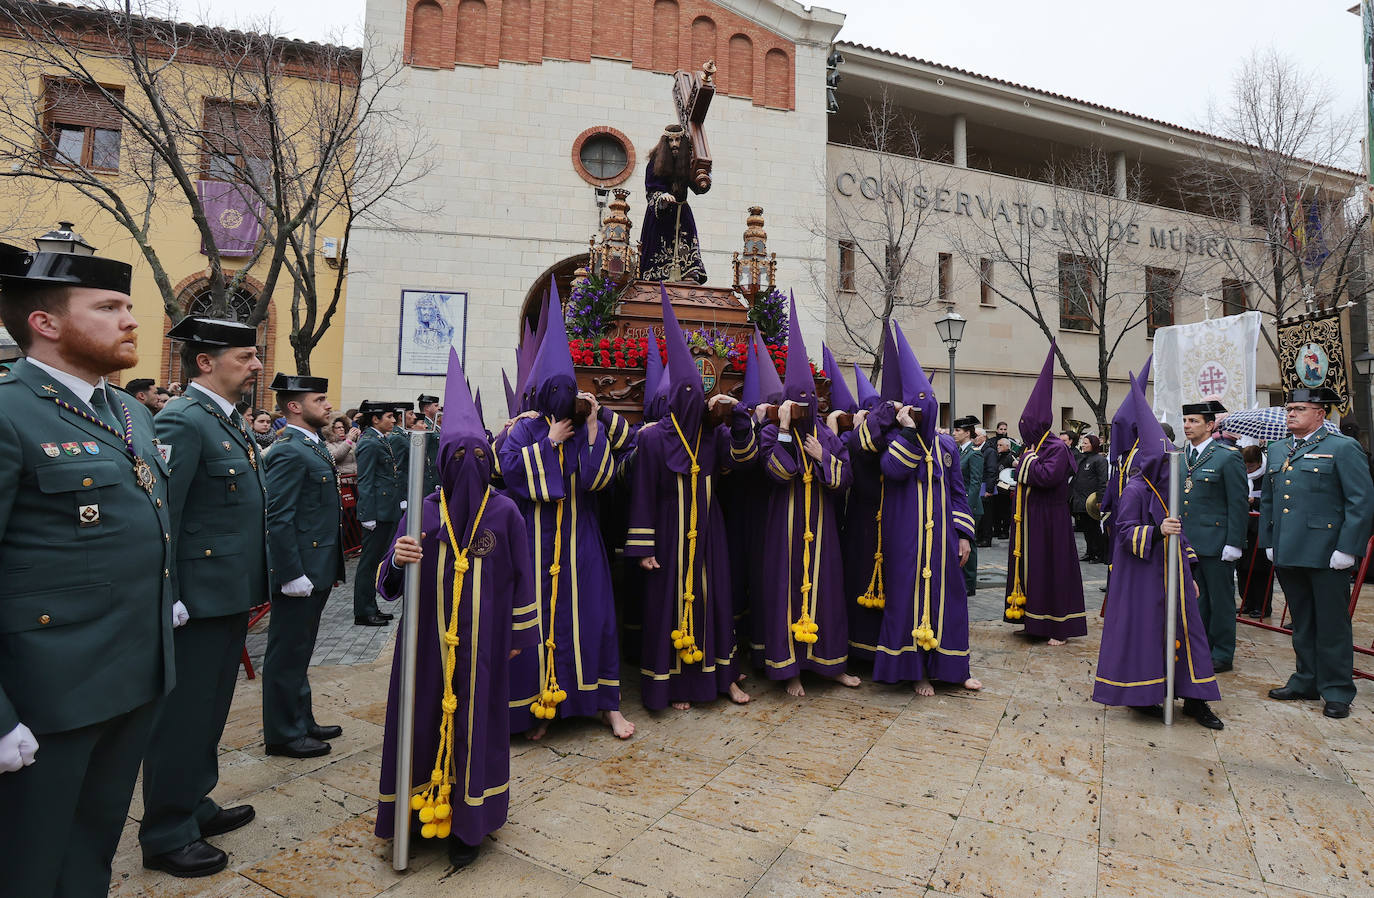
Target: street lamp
{"type": "Point", "coordinates": [950, 327]}
{"type": "Point", "coordinates": [1364, 363]}
{"type": "Point", "coordinates": [64, 240]}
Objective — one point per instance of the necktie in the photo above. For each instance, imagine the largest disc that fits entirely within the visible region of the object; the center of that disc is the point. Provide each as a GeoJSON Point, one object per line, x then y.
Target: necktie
{"type": "Point", "coordinates": [239, 423]}
{"type": "Point", "coordinates": [103, 410]}
{"type": "Point", "coordinates": [1192, 455]}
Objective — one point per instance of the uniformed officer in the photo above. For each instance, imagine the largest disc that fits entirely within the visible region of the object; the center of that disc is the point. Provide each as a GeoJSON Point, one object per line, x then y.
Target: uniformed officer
{"type": "Point", "coordinates": [1315, 514]}
{"type": "Point", "coordinates": [86, 612]}
{"type": "Point", "coordinates": [1216, 510]}
{"type": "Point", "coordinates": [381, 490]}
{"type": "Point", "coordinates": [305, 545]}
{"type": "Point", "coordinates": [971, 463]}
{"type": "Point", "coordinates": [429, 420]}
{"type": "Point", "coordinates": [218, 503]}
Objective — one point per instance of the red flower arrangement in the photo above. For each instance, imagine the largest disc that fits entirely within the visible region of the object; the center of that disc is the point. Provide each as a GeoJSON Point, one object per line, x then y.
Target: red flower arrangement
{"type": "Point", "coordinates": [631, 352]}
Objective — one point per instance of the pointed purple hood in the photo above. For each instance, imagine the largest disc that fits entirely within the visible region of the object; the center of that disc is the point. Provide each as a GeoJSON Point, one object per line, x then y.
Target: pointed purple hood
{"type": "Point", "coordinates": [524, 356]}
{"type": "Point", "coordinates": [553, 379]}
{"type": "Point", "coordinates": [892, 368]}
{"type": "Point", "coordinates": [1124, 430]}
{"type": "Point", "coordinates": [1038, 416]}
{"type": "Point", "coordinates": [512, 401]}
{"type": "Point", "coordinates": [464, 454]}
{"type": "Point", "coordinates": [769, 383]}
{"type": "Point", "coordinates": [798, 385]}
{"type": "Point", "coordinates": [686, 399]}
{"type": "Point", "coordinates": [653, 372]}
{"type": "Point", "coordinates": [751, 393]}
{"type": "Point", "coordinates": [1152, 454]}
{"type": "Point", "coordinates": [916, 389]}
{"type": "Point", "coordinates": [868, 394]}
{"type": "Point", "coordinates": [841, 399]}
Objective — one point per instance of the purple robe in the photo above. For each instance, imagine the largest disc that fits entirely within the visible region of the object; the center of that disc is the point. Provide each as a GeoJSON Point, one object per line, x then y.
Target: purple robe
{"type": "Point", "coordinates": [1050, 575]}
{"type": "Point", "coordinates": [660, 517]}
{"type": "Point", "coordinates": [1130, 663]}
{"type": "Point", "coordinates": [666, 232]}
{"type": "Point", "coordinates": [496, 614]}
{"type": "Point", "coordinates": [860, 538]}
{"type": "Point", "coordinates": [912, 491]}
{"type": "Point", "coordinates": [587, 667]}
{"type": "Point", "coordinates": [780, 602]}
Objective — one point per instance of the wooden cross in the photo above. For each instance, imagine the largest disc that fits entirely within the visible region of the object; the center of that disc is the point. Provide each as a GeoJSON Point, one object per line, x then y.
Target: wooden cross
{"type": "Point", "coordinates": [692, 95]}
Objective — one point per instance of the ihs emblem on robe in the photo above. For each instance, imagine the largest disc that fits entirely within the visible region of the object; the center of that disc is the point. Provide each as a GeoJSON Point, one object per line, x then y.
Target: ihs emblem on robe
{"type": "Point", "coordinates": [483, 543]}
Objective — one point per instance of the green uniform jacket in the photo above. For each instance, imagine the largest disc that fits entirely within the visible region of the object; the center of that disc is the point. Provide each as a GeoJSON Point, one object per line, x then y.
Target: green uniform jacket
{"type": "Point", "coordinates": [218, 496]}
{"type": "Point", "coordinates": [381, 477]}
{"type": "Point", "coordinates": [971, 464]}
{"type": "Point", "coordinates": [1217, 509]}
{"type": "Point", "coordinates": [431, 455]}
{"type": "Point", "coordinates": [1321, 504]}
{"type": "Point", "coordinates": [85, 557]}
{"type": "Point", "coordinates": [303, 526]}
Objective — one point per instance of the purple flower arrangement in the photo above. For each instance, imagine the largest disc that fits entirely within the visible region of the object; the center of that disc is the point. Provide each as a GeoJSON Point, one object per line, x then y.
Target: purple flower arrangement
{"type": "Point", "coordinates": [590, 308]}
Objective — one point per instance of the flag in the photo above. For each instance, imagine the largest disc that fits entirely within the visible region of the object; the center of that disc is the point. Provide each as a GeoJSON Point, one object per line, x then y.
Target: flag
{"type": "Point", "coordinates": [234, 216]}
{"type": "Point", "coordinates": [1208, 360]}
{"type": "Point", "coordinates": [1312, 354]}
{"type": "Point", "coordinates": [1314, 247]}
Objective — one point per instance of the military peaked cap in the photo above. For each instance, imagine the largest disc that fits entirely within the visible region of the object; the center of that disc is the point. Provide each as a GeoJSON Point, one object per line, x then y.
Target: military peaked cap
{"type": "Point", "coordinates": [299, 383]}
{"type": "Point", "coordinates": [1210, 407]}
{"type": "Point", "coordinates": [19, 267]}
{"type": "Point", "coordinates": [214, 332]}
{"type": "Point", "coordinates": [1316, 396]}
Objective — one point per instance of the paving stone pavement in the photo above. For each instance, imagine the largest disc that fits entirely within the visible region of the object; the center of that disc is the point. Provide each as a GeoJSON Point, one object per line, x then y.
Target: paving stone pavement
{"type": "Point", "coordinates": [1024, 789]}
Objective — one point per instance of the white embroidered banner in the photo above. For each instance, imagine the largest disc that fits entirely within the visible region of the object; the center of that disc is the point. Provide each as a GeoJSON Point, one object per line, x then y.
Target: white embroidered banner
{"type": "Point", "coordinates": [1207, 360]}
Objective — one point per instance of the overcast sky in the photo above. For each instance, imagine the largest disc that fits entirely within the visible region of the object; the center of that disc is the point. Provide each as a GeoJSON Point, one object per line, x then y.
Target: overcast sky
{"type": "Point", "coordinates": [1163, 59]}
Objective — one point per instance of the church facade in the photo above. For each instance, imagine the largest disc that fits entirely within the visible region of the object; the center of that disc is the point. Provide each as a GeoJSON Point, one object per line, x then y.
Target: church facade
{"type": "Point", "coordinates": [537, 109]}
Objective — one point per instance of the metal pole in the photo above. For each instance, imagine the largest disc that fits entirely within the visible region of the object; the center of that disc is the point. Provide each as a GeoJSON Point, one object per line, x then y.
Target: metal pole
{"type": "Point", "coordinates": [952, 347]}
{"type": "Point", "coordinates": [410, 632]}
{"type": "Point", "coordinates": [1172, 598]}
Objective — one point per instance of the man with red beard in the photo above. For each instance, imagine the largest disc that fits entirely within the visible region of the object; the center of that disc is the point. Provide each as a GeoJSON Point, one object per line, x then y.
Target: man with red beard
{"type": "Point", "coordinates": [668, 246]}
{"type": "Point", "coordinates": [86, 615]}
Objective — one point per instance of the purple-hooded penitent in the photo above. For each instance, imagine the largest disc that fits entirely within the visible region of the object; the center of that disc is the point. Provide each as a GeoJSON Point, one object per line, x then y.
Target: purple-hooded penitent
{"type": "Point", "coordinates": [552, 376]}
{"type": "Point", "coordinates": [841, 399]}
{"type": "Point", "coordinates": [1038, 416]}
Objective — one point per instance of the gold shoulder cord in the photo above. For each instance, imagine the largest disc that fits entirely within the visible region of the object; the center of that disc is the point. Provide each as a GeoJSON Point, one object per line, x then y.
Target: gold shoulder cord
{"type": "Point", "coordinates": [434, 805]}
{"type": "Point", "coordinates": [923, 634]}
{"type": "Point", "coordinates": [550, 697]}
{"type": "Point", "coordinates": [1017, 598]}
{"type": "Point", "coordinates": [804, 630]}
{"type": "Point", "coordinates": [684, 638]}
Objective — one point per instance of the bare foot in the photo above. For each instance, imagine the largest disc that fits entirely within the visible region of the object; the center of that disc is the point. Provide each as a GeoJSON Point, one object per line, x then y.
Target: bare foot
{"type": "Point", "coordinates": [849, 680]}
{"type": "Point", "coordinates": [682, 706]}
{"type": "Point", "coordinates": [973, 684]}
{"type": "Point", "coordinates": [1056, 642]}
{"type": "Point", "coordinates": [538, 732]}
{"type": "Point", "coordinates": [923, 687]}
{"type": "Point", "coordinates": [738, 695]}
{"type": "Point", "coordinates": [622, 728]}
{"type": "Point", "coordinates": [794, 688]}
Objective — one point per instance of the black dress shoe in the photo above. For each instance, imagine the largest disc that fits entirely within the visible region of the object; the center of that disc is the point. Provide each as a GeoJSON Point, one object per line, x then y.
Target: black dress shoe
{"type": "Point", "coordinates": [189, 861]}
{"type": "Point", "coordinates": [1337, 710]}
{"type": "Point", "coordinates": [371, 620]}
{"type": "Point", "coordinates": [1154, 711]}
{"type": "Point", "coordinates": [385, 615]}
{"type": "Point", "coordinates": [1254, 615]}
{"type": "Point", "coordinates": [985, 544]}
{"type": "Point", "coordinates": [1197, 709]}
{"type": "Point", "coordinates": [319, 732]}
{"type": "Point", "coordinates": [300, 747]}
{"type": "Point", "coordinates": [1222, 668]}
{"type": "Point", "coordinates": [460, 853]}
{"type": "Point", "coordinates": [227, 820]}
{"type": "Point", "coordinates": [1284, 694]}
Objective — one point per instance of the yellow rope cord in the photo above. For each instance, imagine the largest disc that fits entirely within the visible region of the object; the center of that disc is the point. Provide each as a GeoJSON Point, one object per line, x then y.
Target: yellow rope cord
{"type": "Point", "coordinates": [875, 596]}
{"type": "Point", "coordinates": [434, 805]}
{"type": "Point", "coordinates": [923, 634]}
{"type": "Point", "coordinates": [1017, 598]}
{"type": "Point", "coordinates": [805, 628]}
{"type": "Point", "coordinates": [550, 696]}
{"type": "Point", "coordinates": [684, 637]}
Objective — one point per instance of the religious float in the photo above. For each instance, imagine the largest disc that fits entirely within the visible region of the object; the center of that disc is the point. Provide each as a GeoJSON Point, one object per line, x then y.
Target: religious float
{"type": "Point", "coordinates": [613, 314]}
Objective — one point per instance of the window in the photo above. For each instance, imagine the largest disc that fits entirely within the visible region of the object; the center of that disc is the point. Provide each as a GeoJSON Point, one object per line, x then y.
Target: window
{"type": "Point", "coordinates": [1160, 286]}
{"type": "Point", "coordinates": [989, 417]}
{"type": "Point", "coordinates": [847, 252]}
{"type": "Point", "coordinates": [986, 296]}
{"type": "Point", "coordinates": [237, 143]}
{"type": "Point", "coordinates": [603, 157]}
{"type": "Point", "coordinates": [83, 126]}
{"type": "Point", "coordinates": [1233, 298]}
{"type": "Point", "coordinates": [241, 303]}
{"type": "Point", "coordinates": [946, 271]}
{"type": "Point", "coordinates": [1076, 288]}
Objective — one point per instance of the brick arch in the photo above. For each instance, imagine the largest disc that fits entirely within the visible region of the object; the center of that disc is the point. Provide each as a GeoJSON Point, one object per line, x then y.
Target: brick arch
{"type": "Point", "coordinates": [515, 31]}
{"type": "Point", "coordinates": [703, 41]}
{"type": "Point", "coordinates": [667, 35]}
{"type": "Point", "coordinates": [471, 40]}
{"type": "Point", "coordinates": [777, 79]}
{"type": "Point", "coordinates": [740, 73]}
{"type": "Point", "coordinates": [169, 367]}
{"type": "Point", "coordinates": [425, 36]}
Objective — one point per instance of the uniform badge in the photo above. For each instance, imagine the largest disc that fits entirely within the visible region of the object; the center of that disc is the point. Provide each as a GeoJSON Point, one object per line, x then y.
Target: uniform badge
{"type": "Point", "coordinates": [92, 447]}
{"type": "Point", "coordinates": [71, 448]}
{"type": "Point", "coordinates": [225, 444]}
{"type": "Point", "coordinates": [49, 388]}
{"type": "Point", "coordinates": [165, 450]}
{"type": "Point", "coordinates": [50, 449]}
{"type": "Point", "coordinates": [483, 543]}
{"type": "Point", "coordinates": [88, 515]}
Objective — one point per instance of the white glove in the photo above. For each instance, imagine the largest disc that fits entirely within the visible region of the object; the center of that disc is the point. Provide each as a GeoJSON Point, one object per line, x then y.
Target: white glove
{"type": "Point", "coordinates": [369, 525]}
{"type": "Point", "coordinates": [1341, 561]}
{"type": "Point", "coordinates": [404, 503]}
{"type": "Point", "coordinates": [1230, 553]}
{"type": "Point", "coordinates": [179, 614]}
{"type": "Point", "coordinates": [17, 748]}
{"type": "Point", "coordinates": [301, 586]}
{"type": "Point", "coordinates": [1269, 553]}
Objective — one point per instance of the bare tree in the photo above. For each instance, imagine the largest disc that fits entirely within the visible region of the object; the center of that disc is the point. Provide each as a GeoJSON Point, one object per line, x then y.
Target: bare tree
{"type": "Point", "coordinates": [877, 217]}
{"type": "Point", "coordinates": [1069, 250]}
{"type": "Point", "coordinates": [285, 124]}
{"type": "Point", "coordinates": [1278, 175]}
